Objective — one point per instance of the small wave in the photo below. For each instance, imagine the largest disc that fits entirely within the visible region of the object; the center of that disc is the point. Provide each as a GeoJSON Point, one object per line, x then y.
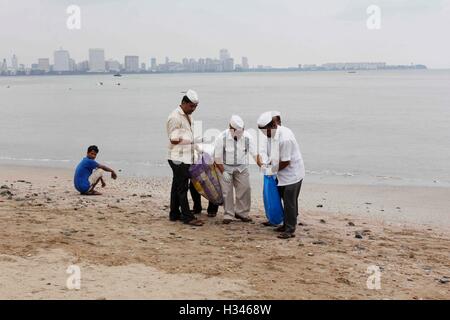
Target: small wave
{"type": "Point", "coordinates": [34, 160]}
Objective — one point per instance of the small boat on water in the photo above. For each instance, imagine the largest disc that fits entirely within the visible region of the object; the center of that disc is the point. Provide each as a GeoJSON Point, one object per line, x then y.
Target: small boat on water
{"type": "Point", "coordinates": [117, 75]}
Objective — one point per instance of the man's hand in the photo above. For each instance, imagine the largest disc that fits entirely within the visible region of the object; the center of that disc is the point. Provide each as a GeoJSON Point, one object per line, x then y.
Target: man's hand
{"type": "Point", "coordinates": [114, 175]}
{"type": "Point", "coordinates": [259, 161]}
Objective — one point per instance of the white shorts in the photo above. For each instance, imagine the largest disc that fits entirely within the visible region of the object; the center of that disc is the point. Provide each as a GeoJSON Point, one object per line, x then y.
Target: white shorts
{"type": "Point", "coordinates": [95, 176]}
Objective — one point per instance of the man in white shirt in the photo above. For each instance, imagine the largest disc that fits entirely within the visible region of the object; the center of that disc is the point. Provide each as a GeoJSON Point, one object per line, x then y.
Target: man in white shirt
{"type": "Point", "coordinates": [287, 162]}
{"type": "Point", "coordinates": [231, 154]}
{"type": "Point", "coordinates": [182, 154]}
{"type": "Point", "coordinates": [265, 154]}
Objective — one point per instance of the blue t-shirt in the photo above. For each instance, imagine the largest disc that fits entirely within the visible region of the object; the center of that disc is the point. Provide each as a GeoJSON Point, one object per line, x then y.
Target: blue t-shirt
{"type": "Point", "coordinates": [82, 174]}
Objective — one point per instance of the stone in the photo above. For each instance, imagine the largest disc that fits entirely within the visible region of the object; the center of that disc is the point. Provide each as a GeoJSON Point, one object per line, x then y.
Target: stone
{"type": "Point", "coordinates": [320, 206]}
{"type": "Point", "coordinates": [444, 280]}
{"type": "Point", "coordinates": [5, 193]}
{"type": "Point", "coordinates": [351, 224]}
{"type": "Point", "coordinates": [358, 235]}
{"type": "Point", "coordinates": [322, 221]}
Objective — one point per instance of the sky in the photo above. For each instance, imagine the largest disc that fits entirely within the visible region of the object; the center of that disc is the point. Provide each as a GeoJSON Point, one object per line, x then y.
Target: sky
{"type": "Point", "coordinates": [279, 33]}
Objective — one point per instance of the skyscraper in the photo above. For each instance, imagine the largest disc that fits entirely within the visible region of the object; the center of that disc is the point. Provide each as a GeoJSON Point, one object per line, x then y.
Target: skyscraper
{"type": "Point", "coordinates": [72, 65]}
{"type": "Point", "coordinates": [44, 64]}
{"type": "Point", "coordinates": [4, 67]}
{"type": "Point", "coordinates": [224, 55]}
{"type": "Point", "coordinates": [14, 63]}
{"type": "Point", "coordinates": [62, 61]}
{"type": "Point", "coordinates": [245, 64]}
{"type": "Point", "coordinates": [96, 60]}
{"type": "Point", "coordinates": [82, 66]}
{"type": "Point", "coordinates": [228, 65]}
{"type": "Point", "coordinates": [112, 65]}
{"type": "Point", "coordinates": [154, 66]}
{"type": "Point", "coordinates": [131, 63]}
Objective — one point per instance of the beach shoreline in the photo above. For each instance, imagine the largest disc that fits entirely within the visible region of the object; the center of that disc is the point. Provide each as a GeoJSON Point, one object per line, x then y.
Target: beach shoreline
{"type": "Point", "coordinates": [124, 237]}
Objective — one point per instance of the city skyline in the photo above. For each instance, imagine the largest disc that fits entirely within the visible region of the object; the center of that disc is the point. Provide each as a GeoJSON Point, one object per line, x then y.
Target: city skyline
{"type": "Point", "coordinates": [96, 63]}
{"type": "Point", "coordinates": [282, 33]}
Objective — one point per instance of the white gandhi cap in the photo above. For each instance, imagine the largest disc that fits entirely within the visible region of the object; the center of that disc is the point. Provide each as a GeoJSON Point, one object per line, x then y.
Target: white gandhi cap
{"type": "Point", "coordinates": [276, 114]}
{"type": "Point", "coordinates": [264, 119]}
{"type": "Point", "coordinates": [192, 96]}
{"type": "Point", "coordinates": [236, 122]}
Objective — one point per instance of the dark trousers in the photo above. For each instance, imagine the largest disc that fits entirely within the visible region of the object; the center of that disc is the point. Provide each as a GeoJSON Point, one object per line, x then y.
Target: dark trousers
{"type": "Point", "coordinates": [197, 199]}
{"type": "Point", "coordinates": [179, 205]}
{"type": "Point", "coordinates": [289, 195]}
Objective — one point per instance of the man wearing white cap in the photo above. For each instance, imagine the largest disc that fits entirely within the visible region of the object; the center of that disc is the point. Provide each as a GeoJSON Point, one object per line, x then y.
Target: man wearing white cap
{"type": "Point", "coordinates": [286, 160]}
{"type": "Point", "coordinates": [264, 149]}
{"type": "Point", "coordinates": [231, 154]}
{"type": "Point", "coordinates": [182, 154]}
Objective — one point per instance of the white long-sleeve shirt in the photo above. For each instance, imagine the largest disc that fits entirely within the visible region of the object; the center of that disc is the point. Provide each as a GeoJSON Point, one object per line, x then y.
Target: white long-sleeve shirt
{"type": "Point", "coordinates": [180, 126]}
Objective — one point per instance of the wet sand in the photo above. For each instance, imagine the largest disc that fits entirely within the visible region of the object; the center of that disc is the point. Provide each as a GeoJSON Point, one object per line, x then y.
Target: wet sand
{"type": "Point", "coordinates": [126, 247]}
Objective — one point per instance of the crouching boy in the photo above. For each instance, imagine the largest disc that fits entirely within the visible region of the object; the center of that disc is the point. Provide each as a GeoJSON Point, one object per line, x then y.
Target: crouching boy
{"type": "Point", "coordinates": [89, 173]}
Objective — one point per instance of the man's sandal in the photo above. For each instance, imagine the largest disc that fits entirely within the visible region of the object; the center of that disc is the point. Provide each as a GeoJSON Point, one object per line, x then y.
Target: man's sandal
{"type": "Point", "coordinates": [286, 235]}
{"type": "Point", "coordinates": [243, 219]}
{"type": "Point", "coordinates": [195, 222]}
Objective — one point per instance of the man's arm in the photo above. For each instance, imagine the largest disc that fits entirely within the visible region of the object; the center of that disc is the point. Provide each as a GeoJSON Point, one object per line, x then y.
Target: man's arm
{"type": "Point", "coordinates": [283, 165]}
{"type": "Point", "coordinates": [107, 169]}
{"type": "Point", "coordinates": [285, 154]}
{"type": "Point", "coordinates": [176, 133]}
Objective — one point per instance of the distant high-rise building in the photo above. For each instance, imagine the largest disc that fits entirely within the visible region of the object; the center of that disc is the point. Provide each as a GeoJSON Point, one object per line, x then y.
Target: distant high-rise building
{"type": "Point", "coordinates": [228, 65]}
{"type": "Point", "coordinates": [224, 55]}
{"type": "Point", "coordinates": [4, 67]}
{"type": "Point", "coordinates": [72, 65]}
{"type": "Point", "coordinates": [96, 60]}
{"type": "Point", "coordinates": [82, 66]}
{"type": "Point", "coordinates": [113, 66]}
{"type": "Point", "coordinates": [245, 64]}
{"type": "Point", "coordinates": [44, 64]}
{"type": "Point", "coordinates": [62, 61]}
{"type": "Point", "coordinates": [14, 62]}
{"type": "Point", "coordinates": [143, 67]}
{"type": "Point", "coordinates": [131, 64]}
{"type": "Point", "coordinates": [153, 64]}
{"type": "Point", "coordinates": [167, 60]}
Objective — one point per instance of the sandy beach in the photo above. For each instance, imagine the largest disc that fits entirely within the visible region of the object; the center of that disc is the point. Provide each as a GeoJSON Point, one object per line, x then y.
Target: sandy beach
{"type": "Point", "coordinates": [126, 247]}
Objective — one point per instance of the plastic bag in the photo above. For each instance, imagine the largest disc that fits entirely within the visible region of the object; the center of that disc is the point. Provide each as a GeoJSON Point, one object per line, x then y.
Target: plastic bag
{"type": "Point", "coordinates": [206, 180]}
{"type": "Point", "coordinates": [272, 200]}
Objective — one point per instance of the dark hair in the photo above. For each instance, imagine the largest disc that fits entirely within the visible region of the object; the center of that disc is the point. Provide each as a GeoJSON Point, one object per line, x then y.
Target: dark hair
{"type": "Point", "coordinates": [269, 125]}
{"type": "Point", "coordinates": [93, 148]}
{"type": "Point", "coordinates": [186, 100]}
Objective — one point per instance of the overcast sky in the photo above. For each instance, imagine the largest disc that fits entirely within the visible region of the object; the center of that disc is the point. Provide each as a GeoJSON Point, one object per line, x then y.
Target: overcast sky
{"type": "Point", "coordinates": [269, 32]}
